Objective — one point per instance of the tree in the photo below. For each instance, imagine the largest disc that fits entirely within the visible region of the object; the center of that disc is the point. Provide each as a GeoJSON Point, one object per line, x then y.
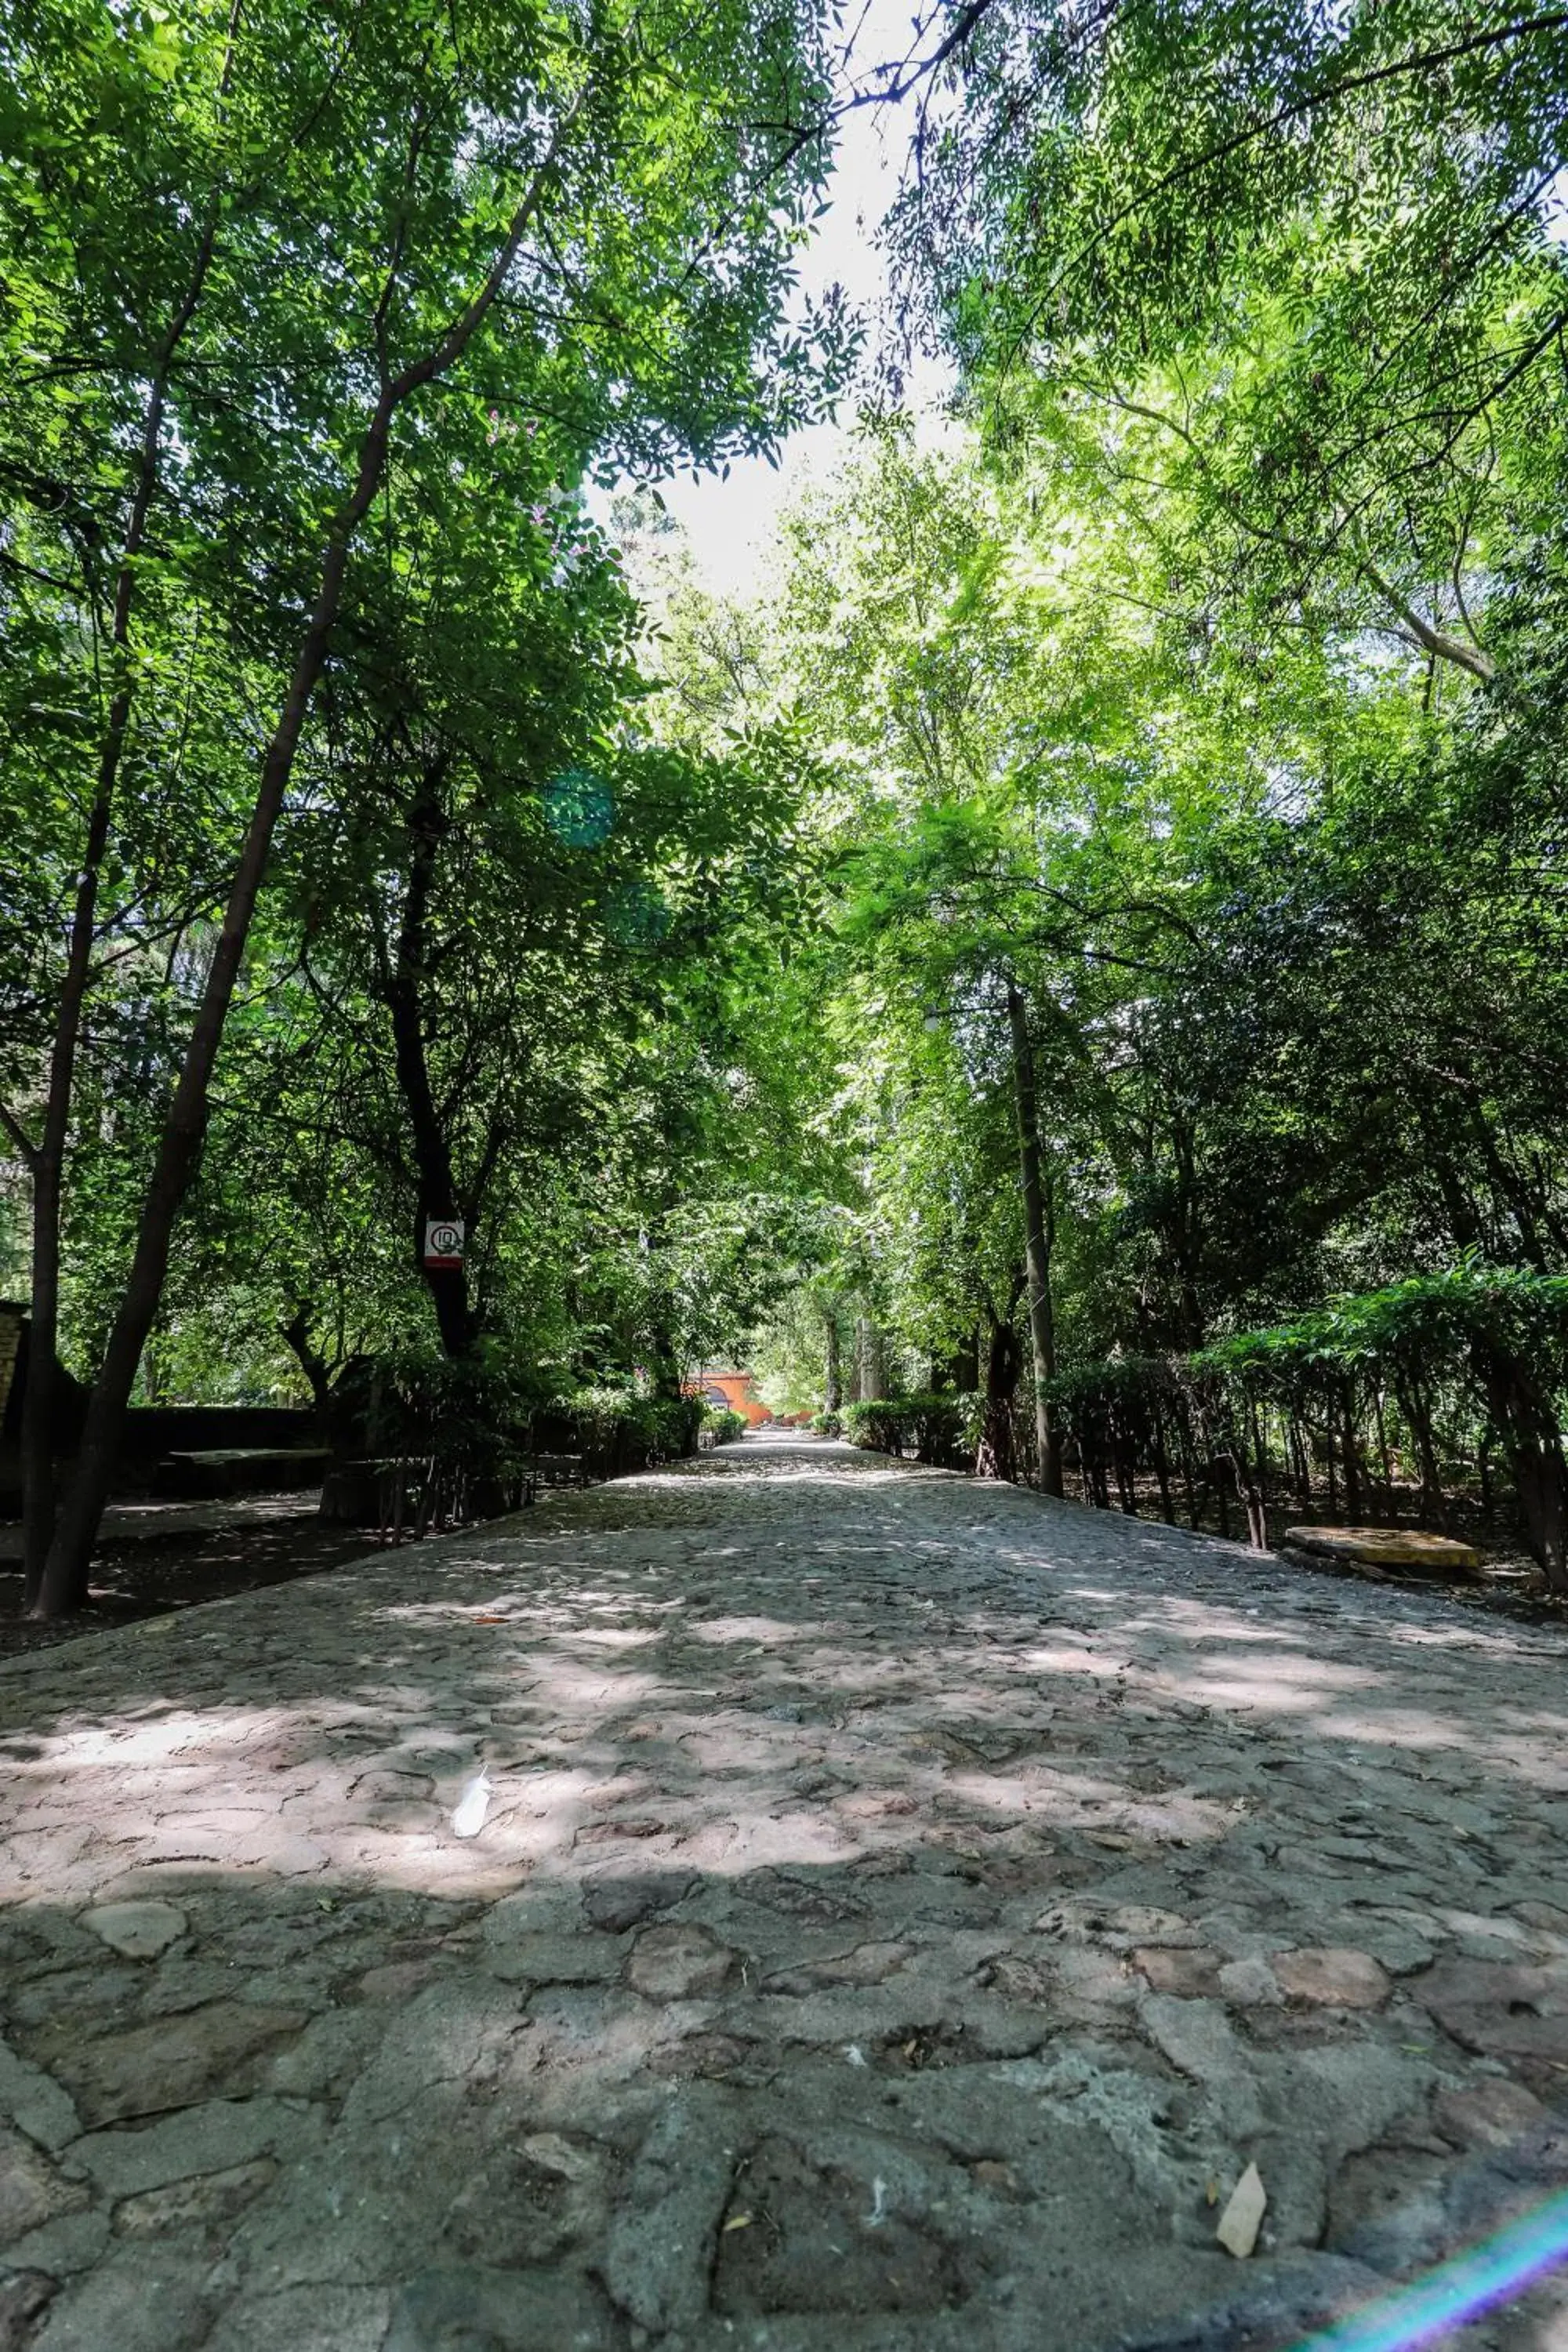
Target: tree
{"type": "Point", "coordinates": [593, 233]}
{"type": "Point", "coordinates": [1182, 245]}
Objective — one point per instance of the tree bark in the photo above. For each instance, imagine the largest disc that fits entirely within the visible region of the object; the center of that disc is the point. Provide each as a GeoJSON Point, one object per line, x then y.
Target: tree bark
{"type": "Point", "coordinates": [48, 1163]}
{"type": "Point", "coordinates": [63, 1583]}
{"type": "Point", "coordinates": [438, 1189]}
{"type": "Point", "coordinates": [1038, 1235]}
{"type": "Point", "coordinates": [1161, 1466]}
{"type": "Point", "coordinates": [993, 1458]}
{"type": "Point", "coordinates": [1525, 1419]}
{"type": "Point", "coordinates": [834, 1373]}
{"type": "Point", "coordinates": [868, 1357]}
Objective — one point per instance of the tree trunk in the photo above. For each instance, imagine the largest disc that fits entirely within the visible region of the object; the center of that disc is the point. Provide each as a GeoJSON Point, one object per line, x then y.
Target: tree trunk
{"type": "Point", "coordinates": [1483, 1470]}
{"type": "Point", "coordinates": [833, 1382]}
{"type": "Point", "coordinates": [1430, 1503]}
{"type": "Point", "coordinates": [1185, 1442]}
{"type": "Point", "coordinates": [1391, 1502]}
{"type": "Point", "coordinates": [1525, 1421]}
{"type": "Point", "coordinates": [1124, 1460]}
{"type": "Point", "coordinates": [63, 1584]}
{"type": "Point", "coordinates": [47, 1164]}
{"type": "Point", "coordinates": [868, 1357]}
{"type": "Point", "coordinates": [993, 1458]}
{"type": "Point", "coordinates": [1163, 1468]}
{"type": "Point", "coordinates": [404, 990]}
{"type": "Point", "coordinates": [1354, 1484]}
{"type": "Point", "coordinates": [1250, 1491]}
{"type": "Point", "coordinates": [312, 1362]}
{"type": "Point", "coordinates": [1301, 1465]}
{"type": "Point", "coordinates": [1038, 1235]}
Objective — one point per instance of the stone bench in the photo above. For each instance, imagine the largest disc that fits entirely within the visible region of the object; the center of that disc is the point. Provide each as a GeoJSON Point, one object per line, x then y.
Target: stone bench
{"type": "Point", "coordinates": [221, 1470]}
{"type": "Point", "coordinates": [556, 1469]}
{"type": "Point", "coordinates": [1398, 1551]}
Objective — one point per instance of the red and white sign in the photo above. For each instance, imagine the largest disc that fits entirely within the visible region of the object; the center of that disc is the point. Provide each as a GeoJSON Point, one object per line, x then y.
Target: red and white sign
{"type": "Point", "coordinates": [443, 1243]}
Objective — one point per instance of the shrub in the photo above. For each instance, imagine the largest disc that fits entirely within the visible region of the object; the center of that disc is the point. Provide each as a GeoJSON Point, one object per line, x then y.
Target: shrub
{"type": "Point", "coordinates": [725, 1424]}
{"type": "Point", "coordinates": [934, 1426]}
{"type": "Point", "coordinates": [1455, 1364]}
{"type": "Point", "coordinates": [618, 1430]}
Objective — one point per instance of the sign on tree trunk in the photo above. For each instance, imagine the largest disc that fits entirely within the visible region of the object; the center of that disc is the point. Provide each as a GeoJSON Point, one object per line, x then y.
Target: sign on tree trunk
{"type": "Point", "coordinates": [443, 1242]}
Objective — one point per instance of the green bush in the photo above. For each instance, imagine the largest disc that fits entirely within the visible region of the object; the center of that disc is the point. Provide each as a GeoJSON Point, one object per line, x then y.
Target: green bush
{"type": "Point", "coordinates": [828, 1424]}
{"type": "Point", "coordinates": [934, 1426]}
{"type": "Point", "coordinates": [460, 1424]}
{"type": "Point", "coordinates": [1443, 1367]}
{"type": "Point", "coordinates": [725, 1424]}
{"type": "Point", "coordinates": [618, 1430]}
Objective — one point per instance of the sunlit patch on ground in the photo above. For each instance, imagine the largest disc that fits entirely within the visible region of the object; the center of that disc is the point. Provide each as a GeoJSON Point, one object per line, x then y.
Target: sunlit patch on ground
{"type": "Point", "coordinates": [897, 1904]}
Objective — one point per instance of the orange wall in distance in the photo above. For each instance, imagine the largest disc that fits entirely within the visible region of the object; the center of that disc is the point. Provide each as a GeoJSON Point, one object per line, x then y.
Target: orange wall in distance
{"type": "Point", "coordinates": [736, 1390]}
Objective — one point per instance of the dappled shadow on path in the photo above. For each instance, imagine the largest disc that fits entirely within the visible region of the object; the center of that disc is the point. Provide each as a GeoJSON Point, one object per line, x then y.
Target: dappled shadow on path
{"type": "Point", "coordinates": [899, 1902]}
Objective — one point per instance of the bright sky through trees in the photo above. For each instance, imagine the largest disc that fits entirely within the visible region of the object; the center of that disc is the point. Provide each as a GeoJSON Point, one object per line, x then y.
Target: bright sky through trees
{"type": "Point", "coordinates": [730, 525]}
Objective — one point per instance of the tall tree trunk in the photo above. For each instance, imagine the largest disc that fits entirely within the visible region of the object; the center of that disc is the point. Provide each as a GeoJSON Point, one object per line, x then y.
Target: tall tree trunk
{"type": "Point", "coordinates": [994, 1457]}
{"type": "Point", "coordinates": [1354, 1485]}
{"type": "Point", "coordinates": [312, 1362]}
{"type": "Point", "coordinates": [1413, 1403]}
{"type": "Point", "coordinates": [40, 1403]}
{"type": "Point", "coordinates": [404, 988]}
{"type": "Point", "coordinates": [1038, 1235]}
{"type": "Point", "coordinates": [64, 1581]}
{"type": "Point", "coordinates": [1161, 1467]}
{"type": "Point", "coordinates": [1525, 1419]}
{"type": "Point", "coordinates": [868, 1356]}
{"type": "Point", "coordinates": [834, 1379]}
{"type": "Point", "coordinates": [1391, 1501]}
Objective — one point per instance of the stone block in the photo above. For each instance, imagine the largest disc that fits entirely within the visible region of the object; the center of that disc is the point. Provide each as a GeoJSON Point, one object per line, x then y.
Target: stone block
{"type": "Point", "coordinates": [1406, 1548]}
{"type": "Point", "coordinates": [317, 2318]}
{"type": "Point", "coordinates": [35, 2102]}
{"type": "Point", "coordinates": [149, 2069]}
{"type": "Point", "coordinates": [1332, 1977]}
{"type": "Point", "coordinates": [1501, 2009]}
{"type": "Point", "coordinates": [501, 2311]}
{"type": "Point", "coordinates": [1191, 1974]}
{"type": "Point", "coordinates": [1492, 2114]}
{"type": "Point", "coordinates": [139, 2299]}
{"type": "Point", "coordinates": [213, 2137]}
{"type": "Point", "coordinates": [616, 1904]}
{"type": "Point", "coordinates": [138, 1931]}
{"type": "Point", "coordinates": [209, 2199]}
{"type": "Point", "coordinates": [31, 2190]}
{"type": "Point", "coordinates": [24, 2297]}
{"type": "Point", "coordinates": [679, 1961]}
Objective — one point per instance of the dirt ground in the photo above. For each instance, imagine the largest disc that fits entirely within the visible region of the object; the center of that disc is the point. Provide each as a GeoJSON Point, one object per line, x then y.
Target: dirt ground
{"type": "Point", "coordinates": [180, 1554]}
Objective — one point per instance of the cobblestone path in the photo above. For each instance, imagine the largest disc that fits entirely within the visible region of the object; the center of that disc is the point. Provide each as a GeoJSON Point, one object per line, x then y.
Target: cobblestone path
{"type": "Point", "coordinates": [904, 1909]}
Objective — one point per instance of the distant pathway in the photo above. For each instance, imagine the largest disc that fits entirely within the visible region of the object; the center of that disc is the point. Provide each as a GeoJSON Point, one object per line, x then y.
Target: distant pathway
{"type": "Point", "coordinates": [904, 1909]}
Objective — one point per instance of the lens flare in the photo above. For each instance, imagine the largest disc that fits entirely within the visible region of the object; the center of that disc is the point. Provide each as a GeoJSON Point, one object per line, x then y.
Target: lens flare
{"type": "Point", "coordinates": [579, 808]}
{"type": "Point", "coordinates": [1457, 2290]}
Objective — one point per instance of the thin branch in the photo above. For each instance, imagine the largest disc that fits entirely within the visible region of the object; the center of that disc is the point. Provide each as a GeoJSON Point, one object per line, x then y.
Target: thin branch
{"type": "Point", "coordinates": [27, 1148]}
{"type": "Point", "coordinates": [1370, 78]}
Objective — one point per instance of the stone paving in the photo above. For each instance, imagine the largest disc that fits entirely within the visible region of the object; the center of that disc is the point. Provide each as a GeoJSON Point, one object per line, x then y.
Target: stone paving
{"type": "Point", "coordinates": [904, 1909]}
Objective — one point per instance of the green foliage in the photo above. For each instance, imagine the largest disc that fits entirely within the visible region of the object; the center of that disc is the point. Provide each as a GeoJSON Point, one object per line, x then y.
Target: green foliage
{"type": "Point", "coordinates": [935, 1426]}
{"type": "Point", "coordinates": [725, 1425]}
{"type": "Point", "coordinates": [1476, 1353]}
{"type": "Point", "coordinates": [619, 1429]}
{"type": "Point", "coordinates": [1426, 1328]}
